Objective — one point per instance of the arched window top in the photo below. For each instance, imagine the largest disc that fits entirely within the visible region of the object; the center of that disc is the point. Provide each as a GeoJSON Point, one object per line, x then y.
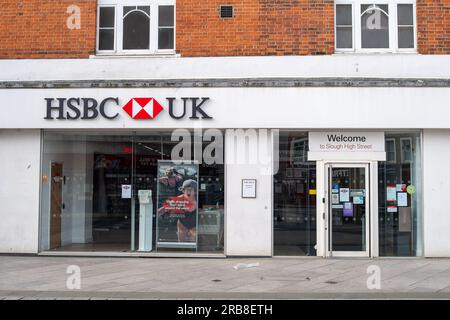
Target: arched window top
{"type": "Point", "coordinates": [131, 10]}
{"type": "Point", "coordinates": [374, 7]}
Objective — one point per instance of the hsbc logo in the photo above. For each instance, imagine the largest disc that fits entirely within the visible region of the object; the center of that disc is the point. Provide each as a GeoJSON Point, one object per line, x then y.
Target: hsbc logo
{"type": "Point", "coordinates": [137, 108]}
{"type": "Point", "coordinates": [143, 108]}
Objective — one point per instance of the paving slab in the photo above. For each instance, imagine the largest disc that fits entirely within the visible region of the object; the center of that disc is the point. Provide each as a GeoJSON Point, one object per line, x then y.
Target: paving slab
{"type": "Point", "coordinates": [38, 277]}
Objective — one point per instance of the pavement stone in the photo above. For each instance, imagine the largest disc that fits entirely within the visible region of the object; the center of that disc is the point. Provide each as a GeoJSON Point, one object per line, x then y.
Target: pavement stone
{"type": "Point", "coordinates": [28, 277]}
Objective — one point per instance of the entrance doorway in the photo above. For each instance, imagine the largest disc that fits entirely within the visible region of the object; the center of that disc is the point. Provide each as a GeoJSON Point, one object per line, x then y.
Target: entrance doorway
{"type": "Point", "coordinates": [348, 210]}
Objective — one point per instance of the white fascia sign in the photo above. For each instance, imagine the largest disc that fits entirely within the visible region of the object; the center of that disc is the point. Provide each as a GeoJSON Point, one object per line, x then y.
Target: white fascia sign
{"type": "Point", "coordinates": [346, 145]}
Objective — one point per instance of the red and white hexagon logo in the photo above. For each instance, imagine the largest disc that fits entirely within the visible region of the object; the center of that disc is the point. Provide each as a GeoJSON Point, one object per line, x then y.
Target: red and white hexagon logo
{"type": "Point", "coordinates": [143, 108]}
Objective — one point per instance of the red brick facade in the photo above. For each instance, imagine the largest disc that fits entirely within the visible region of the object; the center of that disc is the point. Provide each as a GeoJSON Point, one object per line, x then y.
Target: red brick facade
{"type": "Point", "coordinates": [433, 26]}
{"type": "Point", "coordinates": [37, 28]}
{"type": "Point", "coordinates": [260, 27]}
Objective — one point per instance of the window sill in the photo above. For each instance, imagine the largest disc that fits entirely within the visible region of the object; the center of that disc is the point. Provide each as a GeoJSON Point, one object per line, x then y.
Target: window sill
{"type": "Point", "coordinates": [130, 55]}
{"type": "Point", "coordinates": [362, 53]}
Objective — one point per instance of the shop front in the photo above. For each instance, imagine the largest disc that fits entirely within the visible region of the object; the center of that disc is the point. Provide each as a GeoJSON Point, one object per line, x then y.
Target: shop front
{"type": "Point", "coordinates": [215, 171]}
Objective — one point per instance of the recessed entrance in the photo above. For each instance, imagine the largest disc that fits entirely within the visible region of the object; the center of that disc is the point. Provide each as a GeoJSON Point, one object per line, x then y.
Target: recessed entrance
{"type": "Point", "coordinates": [348, 210]}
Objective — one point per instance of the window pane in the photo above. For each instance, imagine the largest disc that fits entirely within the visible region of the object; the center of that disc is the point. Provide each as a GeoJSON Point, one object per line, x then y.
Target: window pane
{"type": "Point", "coordinates": [106, 39]}
{"type": "Point", "coordinates": [406, 37]}
{"type": "Point", "coordinates": [146, 9]}
{"type": "Point", "coordinates": [165, 38]}
{"type": "Point", "coordinates": [294, 213]}
{"type": "Point", "coordinates": [399, 200]}
{"type": "Point", "coordinates": [106, 17]}
{"type": "Point", "coordinates": [344, 38]}
{"type": "Point", "coordinates": [374, 27]}
{"type": "Point", "coordinates": [405, 15]}
{"type": "Point", "coordinates": [128, 9]}
{"type": "Point", "coordinates": [344, 15]}
{"type": "Point", "coordinates": [136, 31]}
{"type": "Point", "coordinates": [166, 16]}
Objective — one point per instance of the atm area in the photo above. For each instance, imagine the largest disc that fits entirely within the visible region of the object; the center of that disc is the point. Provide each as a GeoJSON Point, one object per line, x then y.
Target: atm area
{"type": "Point", "coordinates": [105, 192]}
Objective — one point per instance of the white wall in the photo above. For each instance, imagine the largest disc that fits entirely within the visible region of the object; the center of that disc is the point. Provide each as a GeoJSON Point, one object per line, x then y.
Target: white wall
{"type": "Point", "coordinates": [19, 190]}
{"type": "Point", "coordinates": [436, 157]}
{"type": "Point", "coordinates": [248, 222]}
{"type": "Point", "coordinates": [338, 65]}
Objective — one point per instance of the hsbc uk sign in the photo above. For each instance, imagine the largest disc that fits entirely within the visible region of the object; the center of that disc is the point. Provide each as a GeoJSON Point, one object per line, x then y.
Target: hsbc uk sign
{"type": "Point", "coordinates": [139, 108]}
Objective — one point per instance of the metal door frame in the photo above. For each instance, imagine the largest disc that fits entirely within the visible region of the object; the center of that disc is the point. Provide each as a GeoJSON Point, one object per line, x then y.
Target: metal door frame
{"type": "Point", "coordinates": [328, 223]}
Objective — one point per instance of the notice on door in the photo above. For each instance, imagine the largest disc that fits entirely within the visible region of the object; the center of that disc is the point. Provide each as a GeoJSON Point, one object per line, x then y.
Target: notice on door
{"type": "Point", "coordinates": [248, 188]}
{"type": "Point", "coordinates": [344, 194]}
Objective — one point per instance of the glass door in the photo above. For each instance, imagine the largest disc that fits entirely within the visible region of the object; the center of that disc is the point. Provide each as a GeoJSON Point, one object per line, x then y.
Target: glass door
{"type": "Point", "coordinates": [348, 210]}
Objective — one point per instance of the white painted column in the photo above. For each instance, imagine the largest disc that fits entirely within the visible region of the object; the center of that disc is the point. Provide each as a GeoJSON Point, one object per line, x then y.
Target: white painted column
{"type": "Point", "coordinates": [436, 188]}
{"type": "Point", "coordinates": [248, 222]}
{"type": "Point", "coordinates": [19, 190]}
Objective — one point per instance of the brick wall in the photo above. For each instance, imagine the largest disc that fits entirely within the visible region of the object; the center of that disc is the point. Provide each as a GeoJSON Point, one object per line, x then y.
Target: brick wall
{"type": "Point", "coordinates": [38, 29]}
{"type": "Point", "coordinates": [260, 27]}
{"type": "Point", "coordinates": [433, 26]}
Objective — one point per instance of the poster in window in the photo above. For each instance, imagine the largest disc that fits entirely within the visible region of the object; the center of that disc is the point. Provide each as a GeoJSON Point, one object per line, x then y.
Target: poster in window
{"type": "Point", "coordinates": [391, 193]}
{"type": "Point", "coordinates": [348, 210]}
{"type": "Point", "coordinates": [402, 199]}
{"type": "Point", "coordinates": [177, 198]}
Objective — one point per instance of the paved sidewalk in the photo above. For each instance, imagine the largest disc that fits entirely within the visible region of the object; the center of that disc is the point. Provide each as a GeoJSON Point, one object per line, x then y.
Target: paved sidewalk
{"type": "Point", "coordinates": [197, 278]}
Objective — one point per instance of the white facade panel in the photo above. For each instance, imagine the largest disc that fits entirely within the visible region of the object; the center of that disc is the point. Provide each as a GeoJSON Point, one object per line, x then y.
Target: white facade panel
{"type": "Point", "coordinates": [436, 154]}
{"type": "Point", "coordinates": [309, 108]}
{"type": "Point", "coordinates": [338, 65]}
{"type": "Point", "coordinates": [19, 190]}
{"type": "Point", "coordinates": [248, 221]}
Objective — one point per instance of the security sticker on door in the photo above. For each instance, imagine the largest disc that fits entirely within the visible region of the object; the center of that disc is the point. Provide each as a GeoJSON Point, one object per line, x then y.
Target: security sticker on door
{"type": "Point", "coordinates": [358, 200]}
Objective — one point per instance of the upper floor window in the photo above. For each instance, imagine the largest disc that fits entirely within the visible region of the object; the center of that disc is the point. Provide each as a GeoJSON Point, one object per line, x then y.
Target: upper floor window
{"type": "Point", "coordinates": [136, 27]}
{"type": "Point", "coordinates": [375, 26]}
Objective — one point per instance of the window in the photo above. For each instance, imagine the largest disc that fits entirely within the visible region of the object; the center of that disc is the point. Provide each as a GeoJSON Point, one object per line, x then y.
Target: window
{"type": "Point", "coordinates": [166, 25]}
{"type": "Point", "coordinates": [99, 187]}
{"type": "Point", "coordinates": [375, 26]}
{"type": "Point", "coordinates": [136, 27]}
{"type": "Point", "coordinates": [294, 197]}
{"type": "Point", "coordinates": [400, 197]}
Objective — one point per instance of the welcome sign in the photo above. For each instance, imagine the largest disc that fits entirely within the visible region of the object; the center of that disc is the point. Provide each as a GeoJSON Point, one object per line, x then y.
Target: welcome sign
{"type": "Point", "coordinates": [326, 145]}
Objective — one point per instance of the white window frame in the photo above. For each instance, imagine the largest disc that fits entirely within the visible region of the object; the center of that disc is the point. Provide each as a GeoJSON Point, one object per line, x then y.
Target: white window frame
{"type": "Point", "coordinates": [393, 26]}
{"type": "Point", "coordinates": [118, 27]}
